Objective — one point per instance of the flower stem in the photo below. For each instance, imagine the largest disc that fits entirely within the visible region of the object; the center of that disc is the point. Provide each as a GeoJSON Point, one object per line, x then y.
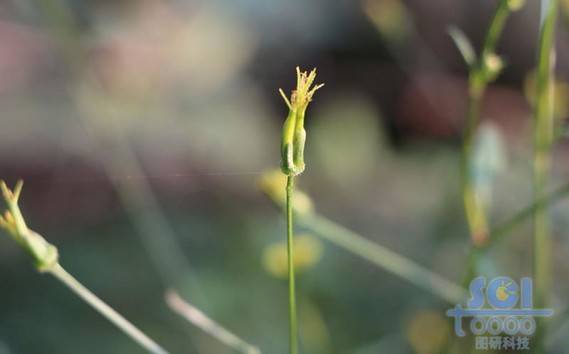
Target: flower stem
{"type": "Point", "coordinates": [293, 327]}
{"type": "Point", "coordinates": [543, 137]}
{"type": "Point", "coordinates": [475, 215]}
{"type": "Point", "coordinates": [543, 131]}
{"type": "Point", "coordinates": [477, 82]}
{"type": "Point", "coordinates": [496, 27]}
{"type": "Point", "coordinates": [122, 323]}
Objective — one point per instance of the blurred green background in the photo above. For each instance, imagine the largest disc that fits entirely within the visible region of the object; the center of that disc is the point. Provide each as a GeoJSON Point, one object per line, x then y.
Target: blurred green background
{"type": "Point", "coordinates": [141, 129]}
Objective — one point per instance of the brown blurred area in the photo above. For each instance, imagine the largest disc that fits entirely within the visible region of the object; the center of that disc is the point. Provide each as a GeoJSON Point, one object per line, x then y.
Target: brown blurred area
{"type": "Point", "coordinates": [181, 55]}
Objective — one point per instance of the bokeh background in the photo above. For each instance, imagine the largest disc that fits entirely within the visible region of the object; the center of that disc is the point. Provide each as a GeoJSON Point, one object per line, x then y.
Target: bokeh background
{"type": "Point", "coordinates": [141, 129]}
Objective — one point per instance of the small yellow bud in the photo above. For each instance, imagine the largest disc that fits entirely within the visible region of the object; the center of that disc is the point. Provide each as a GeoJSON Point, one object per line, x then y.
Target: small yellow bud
{"type": "Point", "coordinates": [308, 251]}
{"type": "Point", "coordinates": [492, 66]}
{"type": "Point", "coordinates": [427, 331]}
{"type": "Point", "coordinates": [515, 5]}
{"type": "Point", "coordinates": [273, 184]}
{"type": "Point", "coordinates": [8, 217]}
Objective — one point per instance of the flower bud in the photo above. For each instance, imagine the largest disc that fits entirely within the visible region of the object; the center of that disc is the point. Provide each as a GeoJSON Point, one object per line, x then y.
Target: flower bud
{"type": "Point", "coordinates": [294, 135]}
{"type": "Point", "coordinates": [492, 66]}
{"type": "Point", "coordinates": [45, 255]}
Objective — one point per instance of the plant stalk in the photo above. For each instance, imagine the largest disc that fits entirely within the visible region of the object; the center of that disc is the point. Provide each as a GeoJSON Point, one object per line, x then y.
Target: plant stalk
{"type": "Point", "coordinates": [475, 215]}
{"type": "Point", "coordinates": [543, 133]}
{"type": "Point", "coordinates": [122, 323]}
{"type": "Point", "coordinates": [496, 27]}
{"type": "Point", "coordinates": [543, 138]}
{"type": "Point", "coordinates": [293, 326]}
{"type": "Point", "coordinates": [480, 75]}
{"type": "Point", "coordinates": [477, 82]}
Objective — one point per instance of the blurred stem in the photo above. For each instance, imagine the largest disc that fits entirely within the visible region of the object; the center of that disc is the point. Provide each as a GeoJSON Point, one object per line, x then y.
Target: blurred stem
{"type": "Point", "coordinates": [543, 131]}
{"type": "Point", "coordinates": [479, 77]}
{"type": "Point", "coordinates": [105, 310]}
{"type": "Point", "coordinates": [358, 245]}
{"type": "Point", "coordinates": [135, 194]}
{"type": "Point", "coordinates": [477, 82]}
{"type": "Point", "coordinates": [64, 28]}
{"type": "Point", "coordinates": [543, 135]}
{"type": "Point", "coordinates": [142, 207]}
{"type": "Point", "coordinates": [504, 229]}
{"type": "Point", "coordinates": [201, 320]}
{"type": "Point", "coordinates": [46, 256]}
{"type": "Point", "coordinates": [475, 213]}
{"type": "Point", "coordinates": [293, 328]}
{"type": "Point", "coordinates": [384, 258]}
{"type": "Point", "coordinates": [496, 28]}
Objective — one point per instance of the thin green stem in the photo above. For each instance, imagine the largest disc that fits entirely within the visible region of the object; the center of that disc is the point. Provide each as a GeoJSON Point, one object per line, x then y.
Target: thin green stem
{"type": "Point", "coordinates": [498, 233]}
{"type": "Point", "coordinates": [384, 258]}
{"type": "Point", "coordinates": [477, 82]}
{"type": "Point", "coordinates": [479, 77]}
{"type": "Point", "coordinates": [496, 28]}
{"type": "Point", "coordinates": [481, 74]}
{"type": "Point", "coordinates": [504, 229]}
{"type": "Point", "coordinates": [293, 326]}
{"type": "Point", "coordinates": [543, 137]}
{"type": "Point", "coordinates": [361, 246]}
{"type": "Point", "coordinates": [543, 133]}
{"type": "Point", "coordinates": [408, 269]}
{"type": "Point", "coordinates": [475, 214]}
{"type": "Point", "coordinates": [105, 310]}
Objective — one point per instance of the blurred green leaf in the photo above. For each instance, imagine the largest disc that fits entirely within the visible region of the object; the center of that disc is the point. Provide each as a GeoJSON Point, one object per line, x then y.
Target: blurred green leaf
{"type": "Point", "coordinates": [463, 44]}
